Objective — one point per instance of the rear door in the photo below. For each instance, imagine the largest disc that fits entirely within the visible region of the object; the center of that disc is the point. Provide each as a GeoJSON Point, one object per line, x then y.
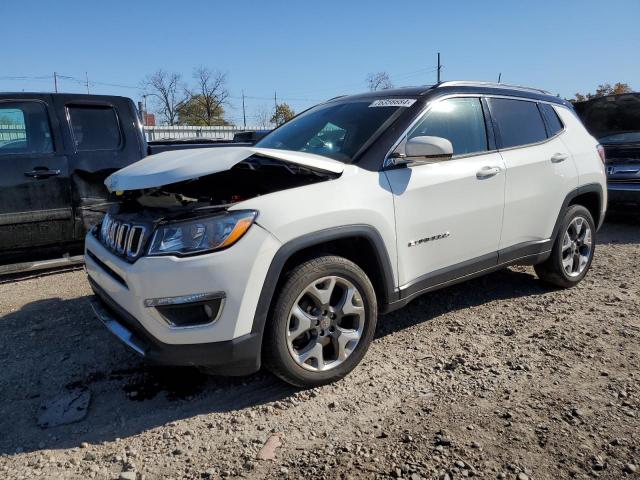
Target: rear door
{"type": "Point", "coordinates": [540, 173]}
{"type": "Point", "coordinates": [35, 198]}
{"type": "Point", "coordinates": [449, 213]}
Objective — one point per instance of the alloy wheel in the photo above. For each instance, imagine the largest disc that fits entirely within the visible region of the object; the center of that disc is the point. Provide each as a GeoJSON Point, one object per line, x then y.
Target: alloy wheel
{"type": "Point", "coordinates": [576, 247]}
{"type": "Point", "coordinates": [325, 323]}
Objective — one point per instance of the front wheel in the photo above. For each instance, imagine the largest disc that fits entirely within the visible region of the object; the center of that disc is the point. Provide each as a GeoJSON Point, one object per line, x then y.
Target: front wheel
{"type": "Point", "coordinates": [572, 251]}
{"type": "Point", "coordinates": [322, 324]}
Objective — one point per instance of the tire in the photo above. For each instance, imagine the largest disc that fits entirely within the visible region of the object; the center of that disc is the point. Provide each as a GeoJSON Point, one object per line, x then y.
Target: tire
{"type": "Point", "coordinates": [326, 351]}
{"type": "Point", "coordinates": [569, 261]}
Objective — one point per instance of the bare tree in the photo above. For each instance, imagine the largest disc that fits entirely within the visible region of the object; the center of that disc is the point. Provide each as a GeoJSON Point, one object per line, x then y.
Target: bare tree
{"type": "Point", "coordinates": [210, 94]}
{"type": "Point", "coordinates": [379, 81]}
{"type": "Point", "coordinates": [166, 89]}
{"type": "Point", "coordinates": [263, 117]}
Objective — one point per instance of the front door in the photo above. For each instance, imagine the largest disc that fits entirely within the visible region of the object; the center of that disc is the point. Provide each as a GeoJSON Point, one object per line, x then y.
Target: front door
{"type": "Point", "coordinates": [35, 198]}
{"type": "Point", "coordinates": [449, 213]}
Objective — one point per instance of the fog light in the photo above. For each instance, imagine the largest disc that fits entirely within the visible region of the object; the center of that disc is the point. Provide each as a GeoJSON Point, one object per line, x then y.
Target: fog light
{"type": "Point", "coordinates": [189, 310]}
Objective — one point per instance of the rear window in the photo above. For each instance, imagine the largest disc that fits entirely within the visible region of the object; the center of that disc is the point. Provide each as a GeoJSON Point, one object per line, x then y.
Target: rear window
{"type": "Point", "coordinates": [519, 121]}
{"type": "Point", "coordinates": [94, 127]}
{"type": "Point", "coordinates": [551, 117]}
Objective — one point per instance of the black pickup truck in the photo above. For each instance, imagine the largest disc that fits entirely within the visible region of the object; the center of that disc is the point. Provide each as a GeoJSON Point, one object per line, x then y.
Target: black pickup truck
{"type": "Point", "coordinates": [55, 152]}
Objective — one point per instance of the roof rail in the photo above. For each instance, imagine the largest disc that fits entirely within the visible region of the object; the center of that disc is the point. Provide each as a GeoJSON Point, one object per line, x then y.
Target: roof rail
{"type": "Point", "coordinates": [492, 84]}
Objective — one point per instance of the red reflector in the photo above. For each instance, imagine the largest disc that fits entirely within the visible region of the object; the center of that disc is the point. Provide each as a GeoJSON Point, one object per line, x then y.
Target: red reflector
{"type": "Point", "coordinates": [601, 152]}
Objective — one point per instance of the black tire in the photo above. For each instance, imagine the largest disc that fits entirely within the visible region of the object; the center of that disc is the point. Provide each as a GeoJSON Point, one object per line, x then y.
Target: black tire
{"type": "Point", "coordinates": [551, 271]}
{"type": "Point", "coordinates": [277, 356]}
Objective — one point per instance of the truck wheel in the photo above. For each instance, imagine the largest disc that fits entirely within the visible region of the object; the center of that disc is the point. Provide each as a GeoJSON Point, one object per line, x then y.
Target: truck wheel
{"type": "Point", "coordinates": [572, 251]}
{"type": "Point", "coordinates": [322, 324]}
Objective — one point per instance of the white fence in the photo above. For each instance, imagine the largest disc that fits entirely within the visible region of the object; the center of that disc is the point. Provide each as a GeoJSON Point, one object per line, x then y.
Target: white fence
{"type": "Point", "coordinates": [161, 132]}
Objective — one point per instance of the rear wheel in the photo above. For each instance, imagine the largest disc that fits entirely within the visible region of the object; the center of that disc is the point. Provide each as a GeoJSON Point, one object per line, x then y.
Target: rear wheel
{"type": "Point", "coordinates": [322, 324]}
{"type": "Point", "coordinates": [572, 251]}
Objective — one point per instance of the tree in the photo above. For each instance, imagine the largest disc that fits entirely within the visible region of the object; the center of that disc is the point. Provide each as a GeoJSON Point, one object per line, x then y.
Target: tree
{"type": "Point", "coordinates": [379, 81]}
{"type": "Point", "coordinates": [206, 99]}
{"type": "Point", "coordinates": [603, 90]}
{"type": "Point", "coordinates": [166, 89]}
{"type": "Point", "coordinates": [263, 118]}
{"type": "Point", "coordinates": [195, 112]}
{"type": "Point", "coordinates": [282, 114]}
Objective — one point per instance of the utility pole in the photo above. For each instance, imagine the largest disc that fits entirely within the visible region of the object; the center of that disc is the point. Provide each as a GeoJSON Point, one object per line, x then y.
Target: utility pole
{"type": "Point", "coordinates": [86, 77]}
{"type": "Point", "coordinates": [55, 81]}
{"type": "Point", "coordinates": [275, 106]}
{"type": "Point", "coordinates": [439, 67]}
{"type": "Point", "coordinates": [244, 113]}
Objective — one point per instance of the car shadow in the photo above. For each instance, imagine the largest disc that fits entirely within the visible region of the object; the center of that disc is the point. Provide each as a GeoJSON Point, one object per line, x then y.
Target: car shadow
{"type": "Point", "coordinates": [52, 348]}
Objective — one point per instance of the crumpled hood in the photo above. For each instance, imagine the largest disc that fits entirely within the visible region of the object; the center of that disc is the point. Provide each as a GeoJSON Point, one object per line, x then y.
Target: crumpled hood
{"type": "Point", "coordinates": [180, 165]}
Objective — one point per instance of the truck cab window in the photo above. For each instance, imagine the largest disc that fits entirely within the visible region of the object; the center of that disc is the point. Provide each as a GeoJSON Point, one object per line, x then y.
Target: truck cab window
{"type": "Point", "coordinates": [94, 127]}
{"type": "Point", "coordinates": [24, 128]}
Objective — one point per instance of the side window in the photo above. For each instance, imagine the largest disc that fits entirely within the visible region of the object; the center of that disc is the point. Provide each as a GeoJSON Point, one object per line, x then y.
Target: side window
{"type": "Point", "coordinates": [459, 120]}
{"type": "Point", "coordinates": [94, 127]}
{"type": "Point", "coordinates": [519, 121]}
{"type": "Point", "coordinates": [24, 128]}
{"type": "Point", "coordinates": [554, 125]}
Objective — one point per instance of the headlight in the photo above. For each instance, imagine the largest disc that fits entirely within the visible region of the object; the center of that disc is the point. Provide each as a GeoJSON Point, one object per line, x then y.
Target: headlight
{"type": "Point", "coordinates": [202, 234]}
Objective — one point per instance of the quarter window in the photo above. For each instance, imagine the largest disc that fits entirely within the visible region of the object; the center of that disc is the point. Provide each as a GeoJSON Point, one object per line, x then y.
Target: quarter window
{"type": "Point", "coordinates": [459, 120]}
{"type": "Point", "coordinates": [24, 128]}
{"type": "Point", "coordinates": [519, 121]}
{"type": "Point", "coordinates": [94, 127]}
{"type": "Point", "coordinates": [554, 125]}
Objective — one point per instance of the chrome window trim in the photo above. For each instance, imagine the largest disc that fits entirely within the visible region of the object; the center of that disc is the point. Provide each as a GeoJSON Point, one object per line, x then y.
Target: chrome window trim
{"type": "Point", "coordinates": [387, 163]}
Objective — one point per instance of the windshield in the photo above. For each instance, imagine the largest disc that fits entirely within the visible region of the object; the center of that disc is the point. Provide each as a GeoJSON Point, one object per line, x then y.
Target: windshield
{"type": "Point", "coordinates": [336, 130]}
{"type": "Point", "coordinates": [612, 119]}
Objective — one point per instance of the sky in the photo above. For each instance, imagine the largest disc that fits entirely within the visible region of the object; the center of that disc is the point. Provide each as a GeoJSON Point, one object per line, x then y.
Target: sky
{"type": "Point", "coordinates": [307, 52]}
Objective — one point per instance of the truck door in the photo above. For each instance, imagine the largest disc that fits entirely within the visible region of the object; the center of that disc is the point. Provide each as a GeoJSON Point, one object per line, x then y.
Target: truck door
{"type": "Point", "coordinates": [101, 132]}
{"type": "Point", "coordinates": [35, 198]}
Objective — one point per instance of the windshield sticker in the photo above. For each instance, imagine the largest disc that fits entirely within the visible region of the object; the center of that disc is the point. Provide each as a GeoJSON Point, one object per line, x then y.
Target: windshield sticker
{"type": "Point", "coordinates": [393, 102]}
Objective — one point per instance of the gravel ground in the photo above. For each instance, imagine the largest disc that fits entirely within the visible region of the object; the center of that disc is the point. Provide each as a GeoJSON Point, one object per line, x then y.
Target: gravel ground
{"type": "Point", "coordinates": [500, 377]}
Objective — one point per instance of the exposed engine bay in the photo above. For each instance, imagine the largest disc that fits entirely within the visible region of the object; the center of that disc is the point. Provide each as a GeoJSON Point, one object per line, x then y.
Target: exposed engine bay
{"type": "Point", "coordinates": [250, 178]}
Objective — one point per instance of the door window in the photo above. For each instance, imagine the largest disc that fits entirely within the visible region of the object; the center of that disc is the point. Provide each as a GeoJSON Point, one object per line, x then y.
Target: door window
{"type": "Point", "coordinates": [554, 125]}
{"type": "Point", "coordinates": [519, 122]}
{"type": "Point", "coordinates": [459, 120]}
{"type": "Point", "coordinates": [94, 127]}
{"type": "Point", "coordinates": [24, 128]}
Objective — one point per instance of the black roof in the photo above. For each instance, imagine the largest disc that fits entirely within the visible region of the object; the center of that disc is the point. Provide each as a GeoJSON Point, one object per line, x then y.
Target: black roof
{"type": "Point", "coordinates": [427, 91]}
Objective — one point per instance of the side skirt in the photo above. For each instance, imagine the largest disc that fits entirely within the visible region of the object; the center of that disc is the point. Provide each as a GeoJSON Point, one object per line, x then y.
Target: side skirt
{"type": "Point", "coordinates": [527, 253]}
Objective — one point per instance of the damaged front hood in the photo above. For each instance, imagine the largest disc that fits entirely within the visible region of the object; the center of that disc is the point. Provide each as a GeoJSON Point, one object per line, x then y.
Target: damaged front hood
{"type": "Point", "coordinates": [179, 165]}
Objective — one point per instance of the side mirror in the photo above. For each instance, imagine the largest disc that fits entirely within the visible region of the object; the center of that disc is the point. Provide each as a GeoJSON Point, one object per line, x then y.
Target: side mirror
{"type": "Point", "coordinates": [422, 150]}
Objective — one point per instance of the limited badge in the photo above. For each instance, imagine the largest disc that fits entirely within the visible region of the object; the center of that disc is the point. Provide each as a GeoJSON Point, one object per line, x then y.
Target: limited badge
{"type": "Point", "coordinates": [393, 102]}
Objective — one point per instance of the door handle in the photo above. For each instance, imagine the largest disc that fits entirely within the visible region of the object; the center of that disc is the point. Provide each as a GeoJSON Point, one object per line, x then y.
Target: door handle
{"type": "Point", "coordinates": [559, 157]}
{"type": "Point", "coordinates": [487, 172]}
{"type": "Point", "coordinates": [42, 172]}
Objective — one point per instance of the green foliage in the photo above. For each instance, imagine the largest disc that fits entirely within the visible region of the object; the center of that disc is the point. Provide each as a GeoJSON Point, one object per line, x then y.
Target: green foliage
{"type": "Point", "coordinates": [283, 114]}
{"type": "Point", "coordinates": [197, 112]}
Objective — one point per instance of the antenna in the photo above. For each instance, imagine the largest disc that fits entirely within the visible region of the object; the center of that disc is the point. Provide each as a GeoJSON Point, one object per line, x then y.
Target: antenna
{"type": "Point", "coordinates": [499, 77]}
{"type": "Point", "coordinates": [439, 67]}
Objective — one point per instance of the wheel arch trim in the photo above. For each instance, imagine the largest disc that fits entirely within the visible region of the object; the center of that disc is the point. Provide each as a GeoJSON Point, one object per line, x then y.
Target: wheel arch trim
{"type": "Point", "coordinates": [288, 249]}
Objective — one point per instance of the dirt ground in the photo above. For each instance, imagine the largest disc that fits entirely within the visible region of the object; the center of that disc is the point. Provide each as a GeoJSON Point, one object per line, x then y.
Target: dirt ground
{"type": "Point", "coordinates": [500, 377]}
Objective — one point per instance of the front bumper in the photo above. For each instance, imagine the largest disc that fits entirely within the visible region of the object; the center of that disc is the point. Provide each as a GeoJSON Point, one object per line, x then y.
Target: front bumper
{"type": "Point", "coordinates": [240, 356]}
{"type": "Point", "coordinates": [239, 272]}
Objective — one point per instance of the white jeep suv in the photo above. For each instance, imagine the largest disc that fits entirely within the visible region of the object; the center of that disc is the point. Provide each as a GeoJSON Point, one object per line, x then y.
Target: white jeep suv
{"type": "Point", "coordinates": [285, 252]}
